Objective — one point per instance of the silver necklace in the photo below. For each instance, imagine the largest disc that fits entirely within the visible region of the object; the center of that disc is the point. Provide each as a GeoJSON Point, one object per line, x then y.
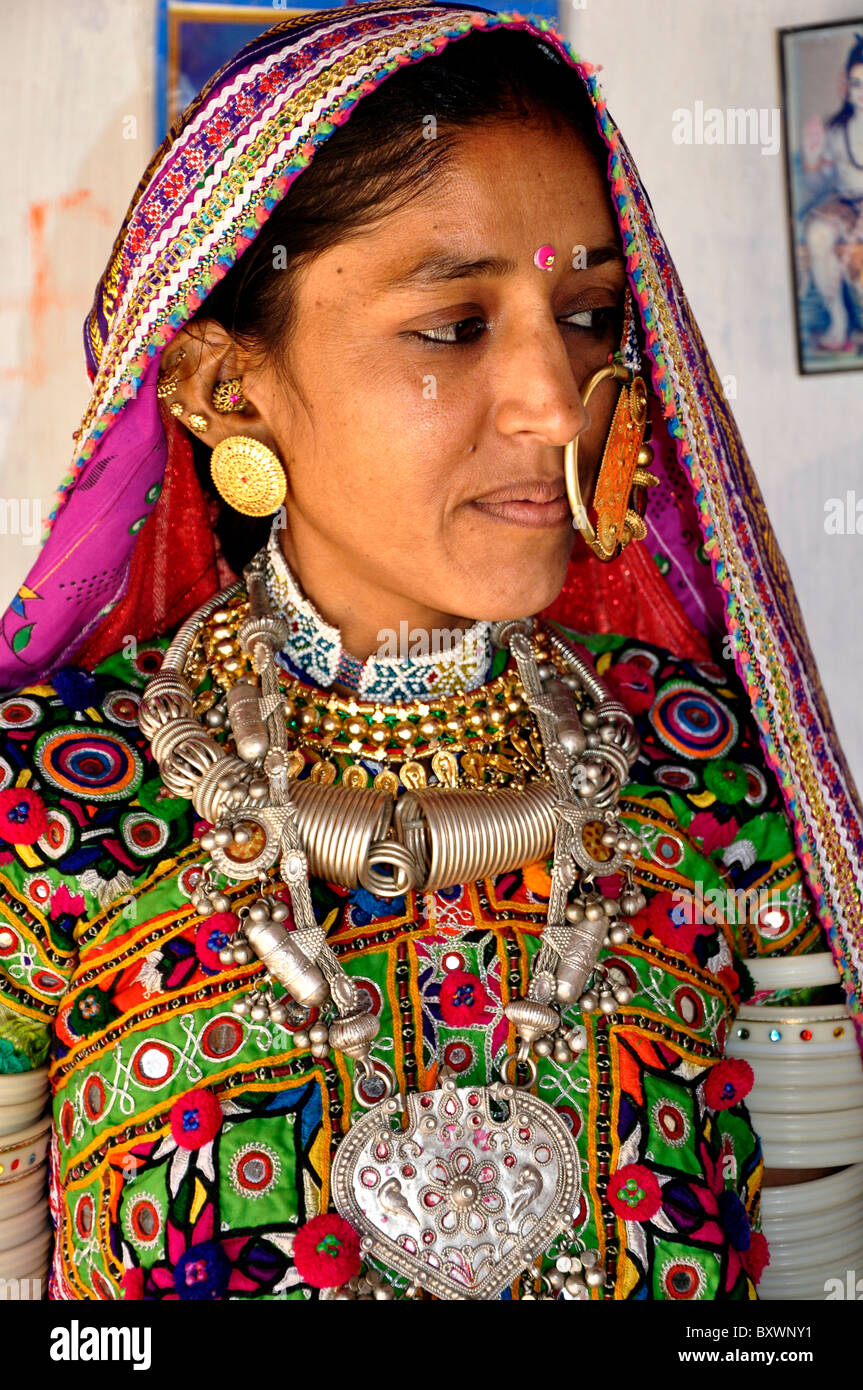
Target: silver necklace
{"type": "Point", "coordinates": [461, 1188]}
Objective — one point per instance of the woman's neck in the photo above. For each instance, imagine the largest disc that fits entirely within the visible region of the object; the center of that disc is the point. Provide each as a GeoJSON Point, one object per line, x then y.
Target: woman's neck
{"type": "Point", "coordinates": [344, 642]}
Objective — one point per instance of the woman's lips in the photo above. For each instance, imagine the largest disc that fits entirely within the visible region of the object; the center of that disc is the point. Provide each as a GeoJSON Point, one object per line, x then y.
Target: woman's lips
{"type": "Point", "coordinates": [530, 514]}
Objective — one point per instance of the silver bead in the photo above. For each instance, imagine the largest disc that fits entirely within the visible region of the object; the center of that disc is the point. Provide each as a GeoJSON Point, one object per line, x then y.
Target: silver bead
{"type": "Point", "coordinates": [623, 994]}
{"type": "Point", "coordinates": [208, 841]}
{"type": "Point", "coordinates": [594, 912]}
{"type": "Point", "coordinates": [320, 1050]}
{"type": "Point", "coordinates": [530, 1018]}
{"type": "Point", "coordinates": [259, 1013]}
{"type": "Point", "coordinates": [607, 1003]}
{"type": "Point", "coordinates": [220, 902]}
{"type": "Point", "coordinates": [278, 1013]}
{"type": "Point", "coordinates": [562, 1053]}
{"type": "Point", "coordinates": [574, 913]}
{"type": "Point", "coordinates": [242, 954]}
{"type": "Point", "coordinates": [223, 837]}
{"type": "Point", "coordinates": [319, 1032]}
{"type": "Point", "coordinates": [215, 718]}
{"type": "Point", "coordinates": [226, 955]}
{"type": "Point", "coordinates": [384, 1292]}
{"type": "Point", "coordinates": [571, 741]}
{"type": "Point", "coordinates": [594, 1278]}
{"type": "Point", "coordinates": [589, 718]}
{"type": "Point", "coordinates": [240, 835]}
{"type": "Point", "coordinates": [258, 788]}
{"type": "Point", "coordinates": [545, 670]}
{"type": "Point", "coordinates": [354, 1034]}
{"type": "Point", "coordinates": [588, 1001]}
{"type": "Point", "coordinates": [619, 936]}
{"type": "Point", "coordinates": [279, 910]}
{"type": "Point", "coordinates": [556, 1278]}
{"type": "Point", "coordinates": [259, 911]}
{"type": "Point", "coordinates": [202, 905]}
{"type": "Point", "coordinates": [302, 1039]}
{"type": "Point", "coordinates": [575, 1285]}
{"type": "Point", "coordinates": [576, 1039]}
{"type": "Point", "coordinates": [240, 1007]}
{"type": "Point", "coordinates": [543, 1047]}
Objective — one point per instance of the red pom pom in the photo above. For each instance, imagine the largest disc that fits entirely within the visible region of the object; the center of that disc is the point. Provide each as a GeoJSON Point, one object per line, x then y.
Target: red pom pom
{"type": "Point", "coordinates": [22, 816]}
{"type": "Point", "coordinates": [212, 935]}
{"type": "Point", "coordinates": [463, 999]}
{"type": "Point", "coordinates": [327, 1252]}
{"type": "Point", "coordinates": [133, 1284]}
{"type": "Point", "coordinates": [756, 1257]}
{"type": "Point", "coordinates": [195, 1119]}
{"type": "Point", "coordinates": [728, 1083]}
{"type": "Point", "coordinates": [634, 1193]}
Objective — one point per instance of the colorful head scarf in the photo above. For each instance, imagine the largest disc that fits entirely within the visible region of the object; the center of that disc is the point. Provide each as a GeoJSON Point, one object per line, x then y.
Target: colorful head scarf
{"type": "Point", "coordinates": [211, 185]}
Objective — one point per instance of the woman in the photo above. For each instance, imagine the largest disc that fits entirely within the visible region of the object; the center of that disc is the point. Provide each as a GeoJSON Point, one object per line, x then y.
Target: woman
{"type": "Point", "coordinates": [361, 763]}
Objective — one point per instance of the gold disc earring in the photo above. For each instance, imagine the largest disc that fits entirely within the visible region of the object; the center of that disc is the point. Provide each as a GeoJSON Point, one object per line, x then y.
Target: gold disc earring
{"type": "Point", "coordinates": [248, 475]}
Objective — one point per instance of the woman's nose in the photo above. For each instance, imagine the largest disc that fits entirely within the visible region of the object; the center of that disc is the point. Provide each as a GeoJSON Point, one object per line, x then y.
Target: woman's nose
{"type": "Point", "coordinates": [535, 387]}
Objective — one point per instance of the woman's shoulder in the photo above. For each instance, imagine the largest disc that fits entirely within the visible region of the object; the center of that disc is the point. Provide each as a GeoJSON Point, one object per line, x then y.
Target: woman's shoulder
{"type": "Point", "coordinates": [83, 811]}
{"type": "Point", "coordinates": [709, 805]}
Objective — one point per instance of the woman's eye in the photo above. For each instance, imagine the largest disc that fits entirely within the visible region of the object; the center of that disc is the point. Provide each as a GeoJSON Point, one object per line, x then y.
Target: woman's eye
{"type": "Point", "coordinates": [593, 320]}
{"type": "Point", "coordinates": [453, 332]}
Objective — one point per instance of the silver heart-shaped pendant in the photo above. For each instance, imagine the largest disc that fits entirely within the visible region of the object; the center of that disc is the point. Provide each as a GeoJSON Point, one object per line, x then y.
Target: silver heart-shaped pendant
{"type": "Point", "coordinates": [455, 1196]}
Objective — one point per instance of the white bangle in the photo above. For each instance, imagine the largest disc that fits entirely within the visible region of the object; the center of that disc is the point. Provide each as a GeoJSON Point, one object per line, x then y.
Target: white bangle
{"type": "Point", "coordinates": [845, 1250]}
{"type": "Point", "coordinates": [18, 1230]}
{"type": "Point", "coordinates": [26, 1192]}
{"type": "Point", "coordinates": [795, 1227]}
{"type": "Point", "coordinates": [817, 1194]}
{"type": "Point", "coordinates": [793, 972]}
{"type": "Point", "coordinates": [19, 1086]}
{"type": "Point", "coordinates": [14, 1264]}
{"type": "Point", "coordinates": [802, 1100]}
{"type": "Point", "coordinates": [14, 1118]}
{"type": "Point", "coordinates": [818, 1154]}
{"type": "Point", "coordinates": [25, 1150]}
{"type": "Point", "coordinates": [762, 1029]}
{"type": "Point", "coordinates": [805, 1127]}
{"type": "Point", "coordinates": [806, 1071]}
{"type": "Point", "coordinates": [29, 1287]}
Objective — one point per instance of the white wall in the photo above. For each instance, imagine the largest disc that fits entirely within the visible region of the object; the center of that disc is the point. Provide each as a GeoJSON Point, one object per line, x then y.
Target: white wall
{"type": "Point", "coordinates": [74, 72]}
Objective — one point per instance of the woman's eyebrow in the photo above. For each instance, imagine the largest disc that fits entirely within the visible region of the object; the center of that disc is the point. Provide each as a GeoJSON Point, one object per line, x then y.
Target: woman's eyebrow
{"type": "Point", "coordinates": [447, 265]}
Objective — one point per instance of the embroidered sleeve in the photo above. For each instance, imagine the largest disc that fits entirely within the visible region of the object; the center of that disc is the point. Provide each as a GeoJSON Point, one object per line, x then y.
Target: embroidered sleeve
{"type": "Point", "coordinates": [712, 820]}
{"type": "Point", "coordinates": [84, 819]}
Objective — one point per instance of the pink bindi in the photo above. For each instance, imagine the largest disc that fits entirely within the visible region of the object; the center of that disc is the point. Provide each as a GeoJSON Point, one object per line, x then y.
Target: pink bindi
{"type": "Point", "coordinates": [544, 258]}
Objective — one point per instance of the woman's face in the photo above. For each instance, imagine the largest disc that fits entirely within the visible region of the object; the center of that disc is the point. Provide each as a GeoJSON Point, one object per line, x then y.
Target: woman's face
{"type": "Point", "coordinates": [437, 368]}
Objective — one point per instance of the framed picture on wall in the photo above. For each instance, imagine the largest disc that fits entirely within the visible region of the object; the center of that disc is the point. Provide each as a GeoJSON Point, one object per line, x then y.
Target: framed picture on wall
{"type": "Point", "coordinates": [822, 81]}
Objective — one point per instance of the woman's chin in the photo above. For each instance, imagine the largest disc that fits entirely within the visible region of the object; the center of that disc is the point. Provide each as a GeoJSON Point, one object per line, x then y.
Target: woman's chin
{"type": "Point", "coordinates": [509, 596]}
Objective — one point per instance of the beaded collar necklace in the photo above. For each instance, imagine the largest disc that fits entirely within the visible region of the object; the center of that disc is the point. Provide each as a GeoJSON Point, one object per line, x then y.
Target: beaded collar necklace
{"type": "Point", "coordinates": [315, 650]}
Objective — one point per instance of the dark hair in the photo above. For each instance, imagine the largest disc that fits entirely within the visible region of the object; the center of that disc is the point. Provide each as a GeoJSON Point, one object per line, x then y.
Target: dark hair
{"type": "Point", "coordinates": [854, 59]}
{"type": "Point", "coordinates": [373, 165]}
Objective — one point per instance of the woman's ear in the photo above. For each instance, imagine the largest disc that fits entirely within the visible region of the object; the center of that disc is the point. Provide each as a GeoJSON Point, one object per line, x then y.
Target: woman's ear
{"type": "Point", "coordinates": [193, 365]}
